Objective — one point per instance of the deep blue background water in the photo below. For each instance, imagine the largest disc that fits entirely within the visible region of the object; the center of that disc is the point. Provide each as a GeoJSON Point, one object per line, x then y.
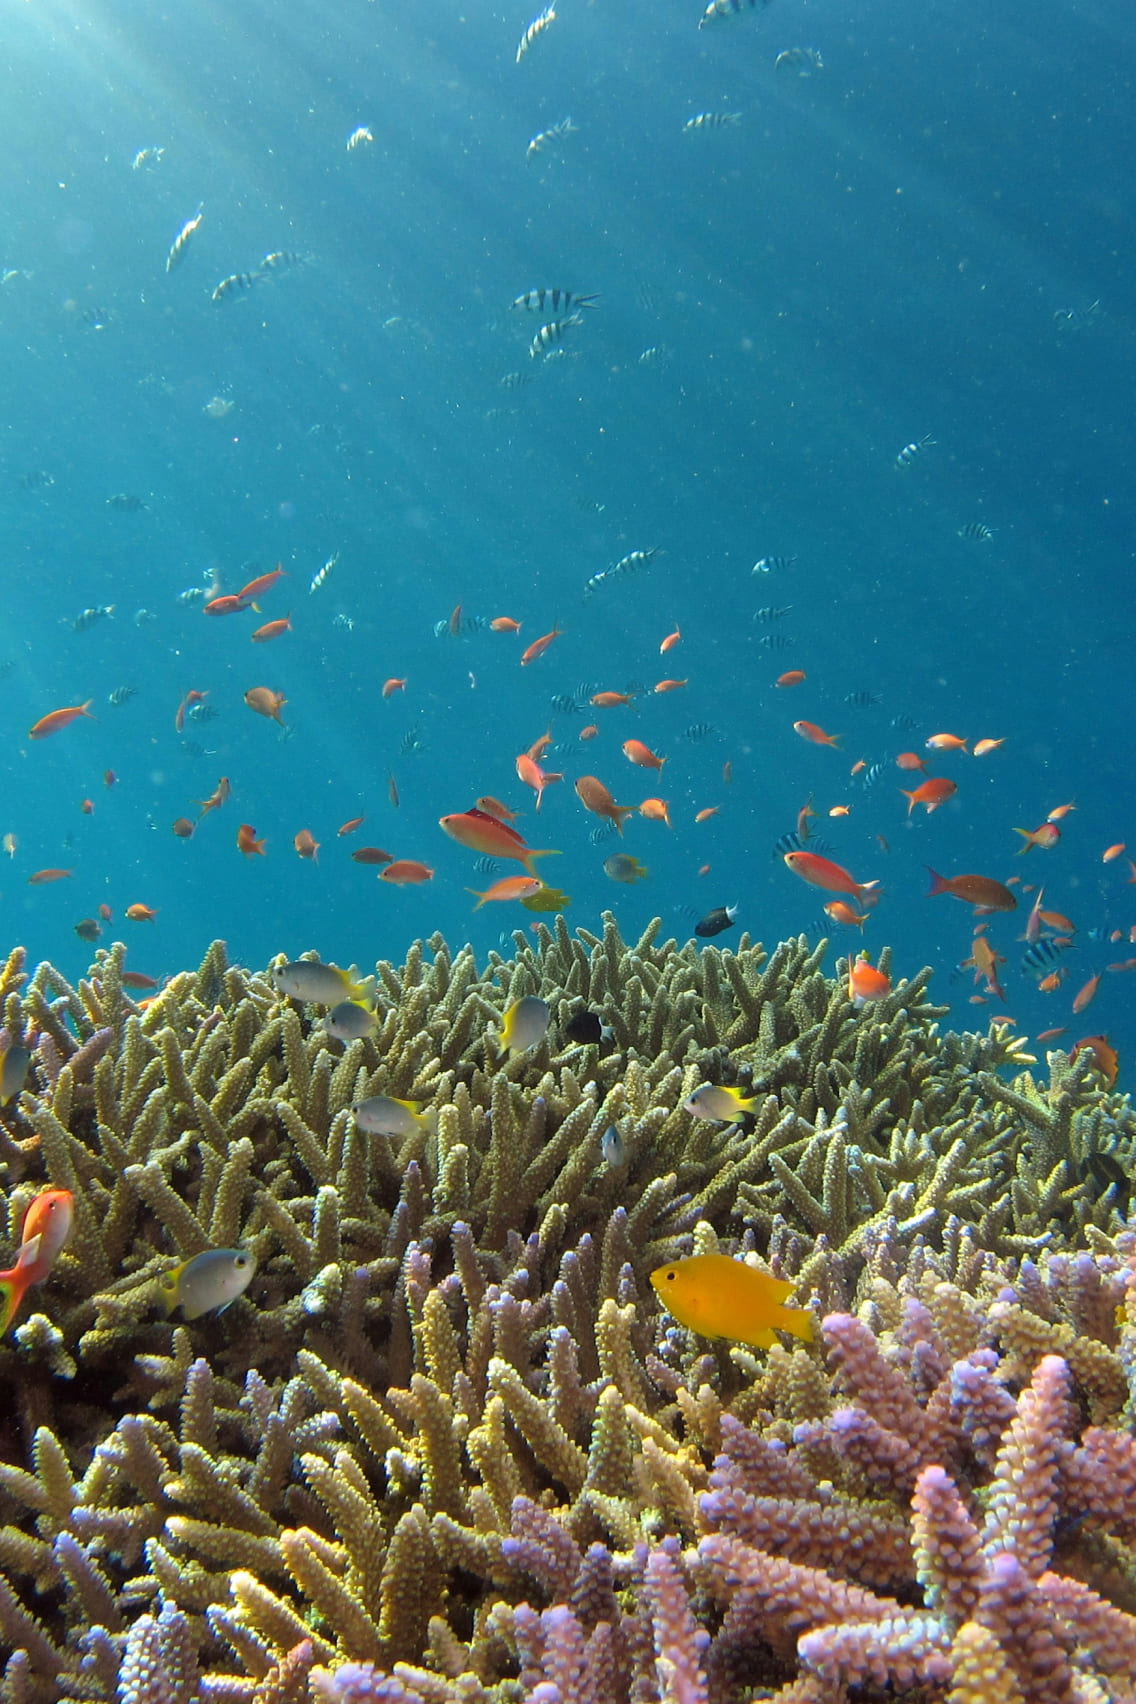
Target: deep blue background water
{"type": "Point", "coordinates": [873, 254]}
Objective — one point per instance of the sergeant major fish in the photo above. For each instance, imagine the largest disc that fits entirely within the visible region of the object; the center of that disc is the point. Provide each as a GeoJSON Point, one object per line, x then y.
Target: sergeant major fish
{"type": "Point", "coordinates": [183, 239]}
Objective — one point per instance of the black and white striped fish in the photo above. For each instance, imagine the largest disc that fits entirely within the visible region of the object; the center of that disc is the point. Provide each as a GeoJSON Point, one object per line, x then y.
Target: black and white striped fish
{"type": "Point", "coordinates": [549, 336]}
{"type": "Point", "coordinates": [183, 239]}
{"type": "Point", "coordinates": [554, 301]}
{"type": "Point", "coordinates": [710, 121]}
{"type": "Point", "coordinates": [535, 29]}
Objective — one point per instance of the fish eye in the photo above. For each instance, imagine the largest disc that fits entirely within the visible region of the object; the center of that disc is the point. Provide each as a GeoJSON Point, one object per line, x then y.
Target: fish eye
{"type": "Point", "coordinates": [671, 1276]}
{"type": "Point", "coordinates": [240, 1261]}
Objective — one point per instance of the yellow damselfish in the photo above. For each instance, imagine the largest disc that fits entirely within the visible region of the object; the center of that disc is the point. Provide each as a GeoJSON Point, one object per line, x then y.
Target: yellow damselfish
{"type": "Point", "coordinates": [720, 1297]}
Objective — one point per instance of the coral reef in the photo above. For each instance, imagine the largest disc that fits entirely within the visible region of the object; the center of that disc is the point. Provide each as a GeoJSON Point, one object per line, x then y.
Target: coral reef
{"type": "Point", "coordinates": [446, 1450]}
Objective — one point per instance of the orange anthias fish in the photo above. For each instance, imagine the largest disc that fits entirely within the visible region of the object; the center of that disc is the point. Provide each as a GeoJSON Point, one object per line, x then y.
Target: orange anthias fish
{"type": "Point", "coordinates": [266, 702]}
{"type": "Point", "coordinates": [350, 826]}
{"type": "Point", "coordinates": [719, 1297]}
{"type": "Point", "coordinates": [636, 752]}
{"type": "Point", "coordinates": [509, 887]}
{"type": "Point", "coordinates": [479, 832]}
{"type": "Point", "coordinates": [395, 684]}
{"type": "Point", "coordinates": [230, 604]}
{"type": "Point", "coordinates": [406, 872]}
{"type": "Point", "coordinates": [1044, 837]}
{"type": "Point", "coordinates": [866, 983]}
{"type": "Point", "coordinates": [670, 642]}
{"type": "Point", "coordinates": [594, 796]}
{"type": "Point", "coordinates": [534, 776]}
{"type": "Point", "coordinates": [39, 878]}
{"type": "Point", "coordinates": [273, 629]}
{"type": "Point", "coordinates": [670, 685]}
{"type": "Point", "coordinates": [983, 746]}
{"type": "Point", "coordinates": [191, 697]}
{"type": "Point", "coordinates": [306, 845]}
{"type": "Point", "coordinates": [139, 913]}
{"type": "Point", "coordinates": [823, 873]}
{"type": "Point", "coordinates": [841, 912]}
{"type": "Point", "coordinates": [1102, 1051]}
{"type": "Point", "coordinates": [945, 742]}
{"type": "Point", "coordinates": [985, 962]}
{"type": "Point", "coordinates": [217, 798]}
{"type": "Point", "coordinates": [1111, 852]}
{"type": "Point", "coordinates": [504, 624]}
{"type": "Point", "coordinates": [608, 700]}
{"type": "Point", "coordinates": [247, 841]}
{"type": "Point", "coordinates": [656, 810]}
{"type": "Point", "coordinates": [261, 584]}
{"type": "Point", "coordinates": [539, 647]}
{"type": "Point", "coordinates": [56, 719]}
{"type": "Point", "coordinates": [983, 891]}
{"type": "Point", "coordinates": [932, 793]}
{"type": "Point", "coordinates": [910, 760]}
{"type": "Point", "coordinates": [1086, 994]}
{"type": "Point", "coordinates": [791, 677]}
{"type": "Point", "coordinates": [816, 736]}
{"type": "Point", "coordinates": [494, 808]}
{"type": "Point", "coordinates": [46, 1227]}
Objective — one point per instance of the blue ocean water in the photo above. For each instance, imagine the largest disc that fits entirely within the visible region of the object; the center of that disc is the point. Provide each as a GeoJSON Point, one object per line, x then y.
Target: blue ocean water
{"type": "Point", "coordinates": [928, 236]}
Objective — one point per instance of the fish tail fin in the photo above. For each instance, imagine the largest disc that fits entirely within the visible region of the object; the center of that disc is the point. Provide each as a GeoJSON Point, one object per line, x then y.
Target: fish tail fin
{"type": "Point", "coordinates": [545, 852]}
{"type": "Point", "coordinates": [480, 897]}
{"type": "Point", "coordinates": [1027, 838]}
{"type": "Point", "coordinates": [910, 797]}
{"type": "Point", "coordinates": [622, 812]}
{"type": "Point", "coordinates": [11, 1295]}
{"type": "Point", "coordinates": [938, 882]}
{"type": "Point", "coordinates": [799, 1322]}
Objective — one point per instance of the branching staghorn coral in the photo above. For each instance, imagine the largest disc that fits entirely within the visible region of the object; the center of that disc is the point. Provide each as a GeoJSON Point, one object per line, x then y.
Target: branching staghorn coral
{"type": "Point", "coordinates": [445, 1394]}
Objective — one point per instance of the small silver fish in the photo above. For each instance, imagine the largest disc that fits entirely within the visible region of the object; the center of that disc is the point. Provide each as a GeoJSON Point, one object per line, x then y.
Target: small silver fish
{"type": "Point", "coordinates": [321, 574]}
{"type": "Point", "coordinates": [321, 984]}
{"type": "Point", "coordinates": [524, 1024]}
{"type": "Point", "coordinates": [382, 1115]}
{"type": "Point", "coordinates": [350, 1021]}
{"type": "Point", "coordinates": [183, 239]}
{"type": "Point", "coordinates": [710, 121]}
{"type": "Point", "coordinates": [15, 1063]}
{"type": "Point", "coordinates": [535, 29]}
{"type": "Point", "coordinates": [719, 1105]}
{"type": "Point", "coordinates": [911, 452]}
{"type": "Point", "coordinates": [209, 1283]}
{"type": "Point", "coordinates": [613, 1148]}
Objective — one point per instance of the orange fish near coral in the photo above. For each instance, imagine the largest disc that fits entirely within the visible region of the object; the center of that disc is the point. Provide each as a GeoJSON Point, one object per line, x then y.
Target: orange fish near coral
{"type": "Point", "coordinates": [594, 796]}
{"type": "Point", "coordinates": [1102, 1051]}
{"type": "Point", "coordinates": [266, 702]}
{"type": "Point", "coordinates": [479, 832]}
{"type": "Point", "coordinates": [841, 912]}
{"type": "Point", "coordinates": [247, 841]}
{"type": "Point", "coordinates": [823, 873]}
{"type": "Point", "coordinates": [866, 983]}
{"type": "Point", "coordinates": [45, 1230]}
{"type": "Point", "coordinates": [56, 719]}
{"type": "Point", "coordinates": [139, 913]}
{"type": "Point", "coordinates": [509, 887]}
{"type": "Point", "coordinates": [719, 1297]}
{"type": "Point", "coordinates": [985, 962]}
{"type": "Point", "coordinates": [1085, 995]}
